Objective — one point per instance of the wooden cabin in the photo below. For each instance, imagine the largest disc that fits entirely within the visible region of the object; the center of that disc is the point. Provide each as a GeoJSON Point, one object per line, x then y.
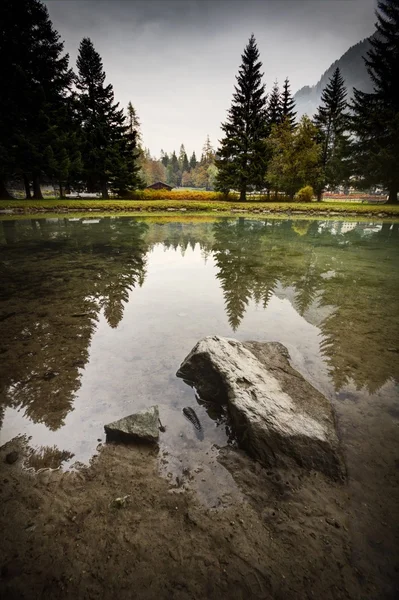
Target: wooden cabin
{"type": "Point", "coordinates": [159, 185]}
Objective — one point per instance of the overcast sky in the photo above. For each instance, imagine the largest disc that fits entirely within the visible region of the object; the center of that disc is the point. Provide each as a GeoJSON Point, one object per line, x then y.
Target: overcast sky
{"type": "Point", "coordinates": [176, 60]}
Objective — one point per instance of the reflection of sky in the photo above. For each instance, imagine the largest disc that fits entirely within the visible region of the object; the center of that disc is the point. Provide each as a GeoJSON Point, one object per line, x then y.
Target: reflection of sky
{"type": "Point", "coordinates": [133, 366]}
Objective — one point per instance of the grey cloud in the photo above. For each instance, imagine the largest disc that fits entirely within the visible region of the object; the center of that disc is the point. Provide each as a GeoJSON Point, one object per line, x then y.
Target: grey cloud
{"type": "Point", "coordinates": [176, 59]}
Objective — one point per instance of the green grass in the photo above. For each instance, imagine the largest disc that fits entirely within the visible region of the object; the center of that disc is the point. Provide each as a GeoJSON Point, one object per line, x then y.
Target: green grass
{"type": "Point", "coordinates": [193, 206]}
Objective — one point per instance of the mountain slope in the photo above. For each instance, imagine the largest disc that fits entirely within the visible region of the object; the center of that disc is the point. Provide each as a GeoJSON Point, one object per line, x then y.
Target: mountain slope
{"type": "Point", "coordinates": [353, 69]}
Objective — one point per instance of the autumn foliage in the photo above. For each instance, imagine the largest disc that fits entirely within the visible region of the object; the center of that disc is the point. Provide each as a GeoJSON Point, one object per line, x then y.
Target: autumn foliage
{"type": "Point", "coordinates": [180, 195]}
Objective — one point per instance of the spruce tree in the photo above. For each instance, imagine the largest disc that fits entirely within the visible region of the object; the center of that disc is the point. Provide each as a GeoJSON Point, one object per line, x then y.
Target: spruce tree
{"type": "Point", "coordinates": [274, 106]}
{"type": "Point", "coordinates": [241, 157]}
{"type": "Point", "coordinates": [183, 160]}
{"type": "Point", "coordinates": [376, 114]}
{"type": "Point", "coordinates": [193, 161]}
{"type": "Point", "coordinates": [287, 104]}
{"type": "Point", "coordinates": [164, 158]}
{"type": "Point", "coordinates": [174, 172]}
{"type": "Point", "coordinates": [174, 161]}
{"type": "Point", "coordinates": [185, 164]}
{"type": "Point", "coordinates": [208, 153]}
{"type": "Point", "coordinates": [38, 80]}
{"type": "Point", "coordinates": [109, 157]}
{"type": "Point", "coordinates": [331, 121]}
{"type": "Point", "coordinates": [134, 124]}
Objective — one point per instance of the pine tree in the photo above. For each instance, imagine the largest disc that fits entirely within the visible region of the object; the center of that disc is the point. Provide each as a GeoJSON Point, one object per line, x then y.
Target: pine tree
{"type": "Point", "coordinates": [38, 81]}
{"type": "Point", "coordinates": [174, 172]}
{"type": "Point", "coordinates": [287, 104]}
{"type": "Point", "coordinates": [376, 114]}
{"type": "Point", "coordinates": [208, 152]}
{"type": "Point", "coordinates": [186, 164]}
{"type": "Point", "coordinates": [241, 157]}
{"type": "Point", "coordinates": [134, 124]}
{"type": "Point", "coordinates": [183, 160]}
{"type": "Point", "coordinates": [164, 158]}
{"type": "Point", "coordinates": [174, 161]}
{"type": "Point", "coordinates": [274, 106]}
{"type": "Point", "coordinates": [331, 121]}
{"type": "Point", "coordinates": [182, 153]}
{"type": "Point", "coordinates": [193, 161]}
{"type": "Point", "coordinates": [109, 156]}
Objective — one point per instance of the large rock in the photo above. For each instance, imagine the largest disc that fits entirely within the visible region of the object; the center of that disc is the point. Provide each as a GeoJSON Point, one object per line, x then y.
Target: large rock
{"type": "Point", "coordinates": [139, 427]}
{"type": "Point", "coordinates": [277, 416]}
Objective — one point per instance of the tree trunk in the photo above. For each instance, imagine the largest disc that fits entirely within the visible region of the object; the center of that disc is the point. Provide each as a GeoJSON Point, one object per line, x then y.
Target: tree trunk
{"type": "Point", "coordinates": [319, 195]}
{"type": "Point", "coordinates": [27, 187]}
{"type": "Point", "coordinates": [243, 192]}
{"type": "Point", "coordinates": [4, 193]}
{"type": "Point", "coordinates": [393, 195]}
{"type": "Point", "coordinates": [104, 191]}
{"type": "Point", "coordinates": [37, 192]}
{"type": "Point", "coordinates": [385, 229]}
{"type": "Point", "coordinates": [62, 195]}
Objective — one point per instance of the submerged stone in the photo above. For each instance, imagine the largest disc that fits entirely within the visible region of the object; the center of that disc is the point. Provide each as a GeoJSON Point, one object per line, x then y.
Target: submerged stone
{"type": "Point", "coordinates": [139, 427]}
{"type": "Point", "coordinates": [276, 415]}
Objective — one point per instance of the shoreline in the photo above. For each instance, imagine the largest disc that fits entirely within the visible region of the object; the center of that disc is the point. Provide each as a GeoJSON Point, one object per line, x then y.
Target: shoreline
{"type": "Point", "coordinates": [12, 208]}
{"type": "Point", "coordinates": [272, 536]}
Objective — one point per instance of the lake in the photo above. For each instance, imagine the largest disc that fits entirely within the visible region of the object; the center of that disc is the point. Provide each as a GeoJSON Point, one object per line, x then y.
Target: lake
{"type": "Point", "coordinates": [97, 314]}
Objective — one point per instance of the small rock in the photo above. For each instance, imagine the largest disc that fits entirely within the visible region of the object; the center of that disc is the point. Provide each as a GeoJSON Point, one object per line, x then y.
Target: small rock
{"type": "Point", "coordinates": [12, 457]}
{"type": "Point", "coordinates": [139, 427]}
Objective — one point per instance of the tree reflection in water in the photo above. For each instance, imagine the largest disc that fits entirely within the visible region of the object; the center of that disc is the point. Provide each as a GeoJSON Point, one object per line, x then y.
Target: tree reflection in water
{"type": "Point", "coordinates": [58, 274]}
{"type": "Point", "coordinates": [349, 268]}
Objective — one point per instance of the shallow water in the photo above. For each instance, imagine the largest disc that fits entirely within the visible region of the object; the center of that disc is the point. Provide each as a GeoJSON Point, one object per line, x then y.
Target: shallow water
{"type": "Point", "coordinates": [97, 314]}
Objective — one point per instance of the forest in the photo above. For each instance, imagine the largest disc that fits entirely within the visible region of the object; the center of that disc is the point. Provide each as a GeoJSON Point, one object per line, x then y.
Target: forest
{"type": "Point", "coordinates": [63, 127]}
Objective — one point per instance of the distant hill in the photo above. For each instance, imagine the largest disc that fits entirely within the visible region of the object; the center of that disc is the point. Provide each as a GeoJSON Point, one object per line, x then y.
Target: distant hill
{"type": "Point", "coordinates": [353, 70]}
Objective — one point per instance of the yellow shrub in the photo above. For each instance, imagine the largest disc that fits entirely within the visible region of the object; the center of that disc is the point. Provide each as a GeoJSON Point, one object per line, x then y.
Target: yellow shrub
{"type": "Point", "coordinates": [178, 195]}
{"type": "Point", "coordinates": [305, 194]}
{"type": "Point", "coordinates": [301, 227]}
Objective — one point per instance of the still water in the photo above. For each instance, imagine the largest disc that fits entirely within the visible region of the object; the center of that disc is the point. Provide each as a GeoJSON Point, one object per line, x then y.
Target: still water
{"type": "Point", "coordinates": [97, 314]}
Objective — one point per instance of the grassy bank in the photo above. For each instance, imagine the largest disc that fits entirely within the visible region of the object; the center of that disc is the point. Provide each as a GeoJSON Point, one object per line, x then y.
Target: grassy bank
{"type": "Point", "coordinates": [106, 206]}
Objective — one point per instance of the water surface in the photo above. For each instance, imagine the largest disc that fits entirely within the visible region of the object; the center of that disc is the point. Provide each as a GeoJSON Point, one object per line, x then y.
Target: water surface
{"type": "Point", "coordinates": [97, 314]}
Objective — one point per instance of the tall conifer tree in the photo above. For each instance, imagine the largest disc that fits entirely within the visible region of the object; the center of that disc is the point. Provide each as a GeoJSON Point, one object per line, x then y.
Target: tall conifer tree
{"type": "Point", "coordinates": [183, 160]}
{"type": "Point", "coordinates": [109, 147]}
{"type": "Point", "coordinates": [274, 106]}
{"type": "Point", "coordinates": [376, 114]}
{"type": "Point", "coordinates": [193, 161]}
{"type": "Point", "coordinates": [164, 158]}
{"type": "Point", "coordinates": [32, 107]}
{"type": "Point", "coordinates": [287, 104]}
{"type": "Point", "coordinates": [331, 121]}
{"type": "Point", "coordinates": [208, 153]}
{"type": "Point", "coordinates": [134, 123]}
{"type": "Point", "coordinates": [241, 156]}
{"type": "Point", "coordinates": [186, 164]}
